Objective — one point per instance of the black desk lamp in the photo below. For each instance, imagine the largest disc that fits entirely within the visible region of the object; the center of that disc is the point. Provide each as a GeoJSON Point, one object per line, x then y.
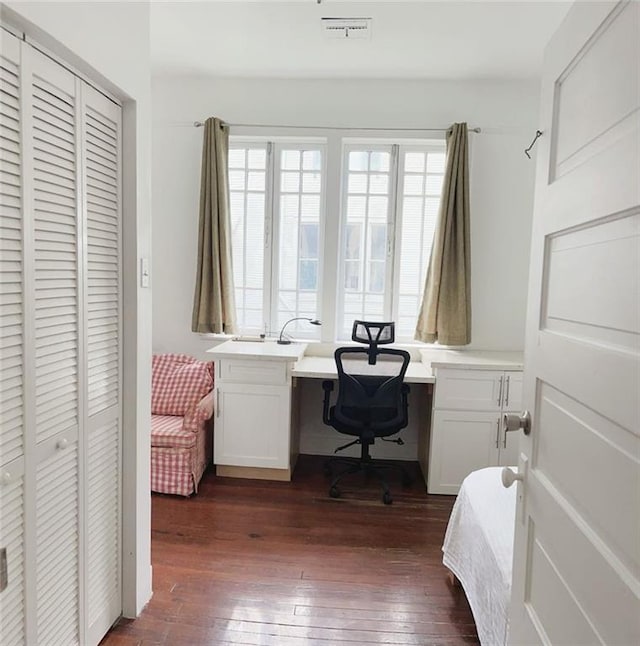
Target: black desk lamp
{"type": "Point", "coordinates": [282, 341]}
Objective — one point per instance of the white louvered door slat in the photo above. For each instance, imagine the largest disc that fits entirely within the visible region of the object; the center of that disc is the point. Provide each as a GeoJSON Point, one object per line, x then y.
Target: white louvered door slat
{"type": "Point", "coordinates": [60, 352]}
{"type": "Point", "coordinates": [12, 613]}
{"type": "Point", "coordinates": [57, 547]}
{"type": "Point", "coordinates": [101, 196]}
{"type": "Point", "coordinates": [55, 246]}
{"type": "Point", "coordinates": [12, 518]}
{"type": "Point", "coordinates": [11, 256]}
{"type": "Point", "coordinates": [54, 132]}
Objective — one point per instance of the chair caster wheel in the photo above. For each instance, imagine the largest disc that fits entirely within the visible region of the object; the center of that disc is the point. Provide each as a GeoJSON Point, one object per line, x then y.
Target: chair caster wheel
{"type": "Point", "coordinates": [334, 492]}
{"type": "Point", "coordinates": [386, 498]}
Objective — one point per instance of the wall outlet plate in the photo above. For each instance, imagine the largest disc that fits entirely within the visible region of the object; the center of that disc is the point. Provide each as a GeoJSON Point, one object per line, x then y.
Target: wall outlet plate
{"type": "Point", "coordinates": [4, 574]}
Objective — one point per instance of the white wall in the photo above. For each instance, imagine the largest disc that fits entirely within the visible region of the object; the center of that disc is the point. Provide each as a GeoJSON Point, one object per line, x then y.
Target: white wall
{"type": "Point", "coordinates": [501, 178]}
{"type": "Point", "coordinates": [109, 43]}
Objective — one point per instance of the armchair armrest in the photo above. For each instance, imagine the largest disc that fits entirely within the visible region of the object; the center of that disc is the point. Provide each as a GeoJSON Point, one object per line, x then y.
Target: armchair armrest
{"type": "Point", "coordinates": [327, 386]}
{"type": "Point", "coordinates": [196, 416]}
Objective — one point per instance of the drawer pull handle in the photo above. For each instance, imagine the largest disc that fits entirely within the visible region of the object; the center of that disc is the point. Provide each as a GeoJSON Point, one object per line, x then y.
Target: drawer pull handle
{"type": "Point", "coordinates": [506, 396]}
{"type": "Point", "coordinates": [498, 433]}
{"type": "Point", "coordinates": [500, 393]}
{"type": "Point", "coordinates": [218, 403]}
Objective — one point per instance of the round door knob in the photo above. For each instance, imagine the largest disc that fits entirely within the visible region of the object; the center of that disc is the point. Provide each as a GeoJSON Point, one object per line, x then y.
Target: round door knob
{"type": "Point", "coordinates": [62, 444]}
{"type": "Point", "coordinates": [509, 477]}
{"type": "Point", "coordinates": [514, 422]}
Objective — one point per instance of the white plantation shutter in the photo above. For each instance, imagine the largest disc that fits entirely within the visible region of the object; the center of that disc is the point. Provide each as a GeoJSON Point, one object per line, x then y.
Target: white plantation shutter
{"type": "Point", "coordinates": [57, 547]}
{"type": "Point", "coordinates": [60, 352]}
{"type": "Point", "coordinates": [101, 155]}
{"type": "Point", "coordinates": [12, 605]}
{"type": "Point", "coordinates": [55, 233]}
{"type": "Point", "coordinates": [12, 614]}
{"type": "Point", "coordinates": [11, 262]}
{"type": "Point", "coordinates": [54, 219]}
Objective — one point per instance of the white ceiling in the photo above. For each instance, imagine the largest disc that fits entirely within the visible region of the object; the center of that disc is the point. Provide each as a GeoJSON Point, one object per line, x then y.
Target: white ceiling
{"type": "Point", "coordinates": [434, 40]}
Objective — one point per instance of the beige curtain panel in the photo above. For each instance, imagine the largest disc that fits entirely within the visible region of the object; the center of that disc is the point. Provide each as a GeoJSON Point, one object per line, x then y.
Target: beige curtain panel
{"type": "Point", "coordinates": [445, 315]}
{"type": "Point", "coordinates": [214, 305]}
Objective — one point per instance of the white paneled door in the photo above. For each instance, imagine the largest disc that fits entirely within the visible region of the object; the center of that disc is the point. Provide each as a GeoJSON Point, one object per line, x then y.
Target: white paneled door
{"type": "Point", "coordinates": [577, 550]}
{"type": "Point", "coordinates": [60, 352]}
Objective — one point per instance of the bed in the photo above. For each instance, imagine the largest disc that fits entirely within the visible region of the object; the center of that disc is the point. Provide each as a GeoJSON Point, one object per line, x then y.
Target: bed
{"type": "Point", "coordinates": [478, 549]}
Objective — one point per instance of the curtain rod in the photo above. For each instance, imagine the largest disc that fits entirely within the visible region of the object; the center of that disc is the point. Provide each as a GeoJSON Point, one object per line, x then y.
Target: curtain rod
{"type": "Point", "coordinates": [199, 124]}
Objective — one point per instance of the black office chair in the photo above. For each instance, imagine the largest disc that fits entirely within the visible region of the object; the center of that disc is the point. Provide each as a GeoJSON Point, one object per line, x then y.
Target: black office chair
{"type": "Point", "coordinates": [371, 401]}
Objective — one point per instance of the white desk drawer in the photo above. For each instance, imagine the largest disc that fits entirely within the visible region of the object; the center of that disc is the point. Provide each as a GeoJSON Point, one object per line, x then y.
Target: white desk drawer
{"type": "Point", "coordinates": [249, 371]}
{"type": "Point", "coordinates": [469, 389]}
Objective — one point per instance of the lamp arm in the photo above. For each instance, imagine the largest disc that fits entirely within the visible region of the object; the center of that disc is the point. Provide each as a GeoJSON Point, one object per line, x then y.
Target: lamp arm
{"type": "Point", "coordinates": [295, 318]}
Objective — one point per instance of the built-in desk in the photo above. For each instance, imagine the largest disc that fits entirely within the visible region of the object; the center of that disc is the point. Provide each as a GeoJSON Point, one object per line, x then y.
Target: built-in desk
{"type": "Point", "coordinates": [325, 368]}
{"type": "Point", "coordinates": [258, 406]}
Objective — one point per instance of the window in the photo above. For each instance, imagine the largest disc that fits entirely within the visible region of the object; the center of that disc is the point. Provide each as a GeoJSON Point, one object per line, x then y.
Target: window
{"type": "Point", "coordinates": [390, 203]}
{"type": "Point", "coordinates": [276, 195]}
{"type": "Point", "coordinates": [384, 207]}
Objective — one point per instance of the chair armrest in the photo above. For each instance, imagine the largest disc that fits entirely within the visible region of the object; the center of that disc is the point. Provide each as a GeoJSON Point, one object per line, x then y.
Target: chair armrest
{"type": "Point", "coordinates": [327, 386]}
{"type": "Point", "coordinates": [405, 401]}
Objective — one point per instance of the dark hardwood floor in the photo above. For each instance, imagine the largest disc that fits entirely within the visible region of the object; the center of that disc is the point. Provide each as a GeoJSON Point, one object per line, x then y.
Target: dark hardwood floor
{"type": "Point", "coordinates": [283, 564]}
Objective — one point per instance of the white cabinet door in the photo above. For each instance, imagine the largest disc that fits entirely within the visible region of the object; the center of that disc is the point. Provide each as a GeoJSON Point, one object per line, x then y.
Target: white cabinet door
{"type": "Point", "coordinates": [252, 425]}
{"type": "Point", "coordinates": [480, 390]}
{"type": "Point", "coordinates": [461, 442]}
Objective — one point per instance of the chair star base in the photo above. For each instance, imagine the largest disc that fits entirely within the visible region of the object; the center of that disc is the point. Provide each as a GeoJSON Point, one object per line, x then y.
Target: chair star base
{"type": "Point", "coordinates": [370, 467]}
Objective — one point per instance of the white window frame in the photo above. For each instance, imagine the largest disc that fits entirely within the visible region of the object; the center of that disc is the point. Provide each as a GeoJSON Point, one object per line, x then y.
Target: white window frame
{"type": "Point", "coordinates": [397, 149]}
{"type": "Point", "coordinates": [274, 147]}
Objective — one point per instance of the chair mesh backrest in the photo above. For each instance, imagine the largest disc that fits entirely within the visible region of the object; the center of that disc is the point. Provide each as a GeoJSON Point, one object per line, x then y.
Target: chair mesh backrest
{"type": "Point", "coordinates": [373, 333]}
{"type": "Point", "coordinates": [370, 394]}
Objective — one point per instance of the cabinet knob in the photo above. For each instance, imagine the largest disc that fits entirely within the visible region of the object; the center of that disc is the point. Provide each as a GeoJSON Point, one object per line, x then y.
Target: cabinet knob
{"type": "Point", "coordinates": [509, 477]}
{"type": "Point", "coordinates": [5, 478]}
{"type": "Point", "coordinates": [62, 444]}
{"type": "Point", "coordinates": [514, 422]}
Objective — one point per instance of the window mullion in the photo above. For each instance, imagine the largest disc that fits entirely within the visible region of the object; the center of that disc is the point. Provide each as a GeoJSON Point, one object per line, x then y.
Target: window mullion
{"type": "Point", "coordinates": [270, 237]}
{"type": "Point", "coordinates": [393, 237]}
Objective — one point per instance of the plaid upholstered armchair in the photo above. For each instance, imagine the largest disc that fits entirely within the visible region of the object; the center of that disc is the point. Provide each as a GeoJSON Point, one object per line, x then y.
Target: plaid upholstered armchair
{"type": "Point", "coordinates": [181, 430]}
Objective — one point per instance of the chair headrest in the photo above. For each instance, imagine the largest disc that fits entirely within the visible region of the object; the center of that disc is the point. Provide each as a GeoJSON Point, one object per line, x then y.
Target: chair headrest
{"type": "Point", "coordinates": [373, 332]}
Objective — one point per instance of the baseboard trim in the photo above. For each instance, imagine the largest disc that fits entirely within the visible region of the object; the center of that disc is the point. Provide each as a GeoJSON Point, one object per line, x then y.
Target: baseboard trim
{"type": "Point", "coordinates": [253, 473]}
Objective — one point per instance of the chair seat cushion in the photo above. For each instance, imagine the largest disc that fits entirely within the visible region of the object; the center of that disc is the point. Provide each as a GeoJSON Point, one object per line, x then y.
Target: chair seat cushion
{"type": "Point", "coordinates": [167, 431]}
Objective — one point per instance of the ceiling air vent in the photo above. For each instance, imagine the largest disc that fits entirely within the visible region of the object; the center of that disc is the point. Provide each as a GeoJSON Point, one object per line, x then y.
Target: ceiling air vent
{"type": "Point", "coordinates": [346, 28]}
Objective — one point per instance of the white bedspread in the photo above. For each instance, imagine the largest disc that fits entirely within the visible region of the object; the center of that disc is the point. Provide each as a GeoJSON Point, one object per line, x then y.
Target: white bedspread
{"type": "Point", "coordinates": [478, 549]}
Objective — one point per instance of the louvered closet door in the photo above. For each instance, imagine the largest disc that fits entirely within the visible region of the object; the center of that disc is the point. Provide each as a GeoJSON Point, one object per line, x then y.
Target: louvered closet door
{"type": "Point", "coordinates": [101, 195]}
{"type": "Point", "coordinates": [12, 424]}
{"type": "Point", "coordinates": [56, 327]}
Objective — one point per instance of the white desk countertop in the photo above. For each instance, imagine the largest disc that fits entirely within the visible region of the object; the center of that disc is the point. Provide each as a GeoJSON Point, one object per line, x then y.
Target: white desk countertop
{"type": "Point", "coordinates": [260, 350]}
{"type": "Point", "coordinates": [325, 368]}
{"type": "Point", "coordinates": [473, 359]}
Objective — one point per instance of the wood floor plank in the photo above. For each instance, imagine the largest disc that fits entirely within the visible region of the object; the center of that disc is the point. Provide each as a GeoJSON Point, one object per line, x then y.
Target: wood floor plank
{"type": "Point", "coordinates": [283, 564]}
